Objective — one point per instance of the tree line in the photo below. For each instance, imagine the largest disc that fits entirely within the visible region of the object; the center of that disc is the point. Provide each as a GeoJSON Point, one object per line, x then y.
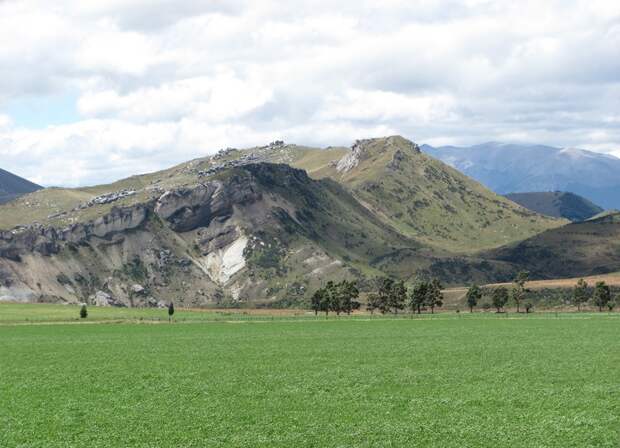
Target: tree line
{"type": "Point", "coordinates": [599, 296]}
{"type": "Point", "coordinates": [336, 297]}
{"type": "Point", "coordinates": [391, 296]}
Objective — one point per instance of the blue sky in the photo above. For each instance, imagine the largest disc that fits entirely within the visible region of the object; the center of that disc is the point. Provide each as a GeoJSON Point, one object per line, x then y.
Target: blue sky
{"type": "Point", "coordinates": [95, 91]}
{"type": "Point", "coordinates": [37, 112]}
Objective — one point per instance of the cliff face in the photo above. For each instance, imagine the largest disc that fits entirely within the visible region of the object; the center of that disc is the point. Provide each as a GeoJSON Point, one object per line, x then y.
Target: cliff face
{"type": "Point", "coordinates": [48, 241]}
{"type": "Point", "coordinates": [231, 238]}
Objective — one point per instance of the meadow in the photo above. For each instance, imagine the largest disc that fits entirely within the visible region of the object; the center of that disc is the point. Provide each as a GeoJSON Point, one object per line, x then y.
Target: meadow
{"type": "Point", "coordinates": [477, 380]}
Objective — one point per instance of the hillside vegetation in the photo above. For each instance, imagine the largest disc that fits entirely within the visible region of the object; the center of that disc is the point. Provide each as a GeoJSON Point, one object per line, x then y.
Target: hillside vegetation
{"type": "Point", "coordinates": [579, 249]}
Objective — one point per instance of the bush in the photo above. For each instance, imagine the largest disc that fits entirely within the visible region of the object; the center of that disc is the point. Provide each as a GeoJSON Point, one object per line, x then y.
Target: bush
{"type": "Point", "coordinates": [83, 312]}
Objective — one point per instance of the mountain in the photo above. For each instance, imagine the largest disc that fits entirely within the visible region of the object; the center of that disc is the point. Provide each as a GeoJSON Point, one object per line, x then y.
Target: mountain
{"type": "Point", "coordinates": [559, 204]}
{"type": "Point", "coordinates": [425, 199]}
{"type": "Point", "coordinates": [12, 186]}
{"type": "Point", "coordinates": [266, 224]}
{"type": "Point", "coordinates": [578, 249]}
{"type": "Point", "coordinates": [519, 168]}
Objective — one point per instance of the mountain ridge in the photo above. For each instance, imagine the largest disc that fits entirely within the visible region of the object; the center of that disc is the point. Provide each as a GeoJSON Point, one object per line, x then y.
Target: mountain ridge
{"type": "Point", "coordinates": [520, 168]}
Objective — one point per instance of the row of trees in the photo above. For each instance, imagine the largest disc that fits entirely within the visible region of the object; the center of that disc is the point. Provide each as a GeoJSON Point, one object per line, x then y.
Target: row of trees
{"type": "Point", "coordinates": [600, 296]}
{"type": "Point", "coordinates": [336, 297]}
{"type": "Point", "coordinates": [500, 295]}
{"type": "Point", "coordinates": [392, 296]}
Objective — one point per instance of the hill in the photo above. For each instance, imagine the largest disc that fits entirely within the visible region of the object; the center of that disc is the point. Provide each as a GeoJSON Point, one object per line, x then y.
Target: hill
{"type": "Point", "coordinates": [246, 225]}
{"type": "Point", "coordinates": [559, 204]}
{"type": "Point", "coordinates": [578, 249]}
{"type": "Point", "coordinates": [519, 168]}
{"type": "Point", "coordinates": [425, 199]}
{"type": "Point", "coordinates": [12, 186]}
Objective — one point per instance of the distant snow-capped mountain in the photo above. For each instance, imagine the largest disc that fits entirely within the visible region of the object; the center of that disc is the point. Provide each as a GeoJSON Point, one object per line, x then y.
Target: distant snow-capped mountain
{"type": "Point", "coordinates": [517, 168]}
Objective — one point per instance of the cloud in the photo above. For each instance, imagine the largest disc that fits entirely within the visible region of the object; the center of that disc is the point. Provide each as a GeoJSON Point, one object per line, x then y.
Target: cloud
{"type": "Point", "coordinates": [158, 82]}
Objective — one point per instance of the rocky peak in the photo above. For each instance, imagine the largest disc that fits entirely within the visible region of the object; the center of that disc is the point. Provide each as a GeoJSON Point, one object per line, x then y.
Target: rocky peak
{"type": "Point", "coordinates": [363, 149]}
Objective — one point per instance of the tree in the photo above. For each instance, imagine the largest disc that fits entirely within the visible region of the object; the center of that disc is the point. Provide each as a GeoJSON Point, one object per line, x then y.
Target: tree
{"type": "Point", "coordinates": [518, 287]}
{"type": "Point", "coordinates": [500, 298]}
{"type": "Point", "coordinates": [335, 297]}
{"type": "Point", "coordinates": [602, 295]}
{"type": "Point", "coordinates": [373, 302]}
{"type": "Point", "coordinates": [397, 296]}
{"type": "Point", "coordinates": [434, 297]}
{"type": "Point", "coordinates": [581, 293]}
{"type": "Point", "coordinates": [474, 294]}
{"type": "Point", "coordinates": [316, 301]}
{"type": "Point", "coordinates": [83, 312]}
{"type": "Point", "coordinates": [417, 297]}
{"type": "Point", "coordinates": [386, 285]}
{"type": "Point", "coordinates": [611, 304]}
{"type": "Point", "coordinates": [349, 293]}
{"type": "Point", "coordinates": [170, 311]}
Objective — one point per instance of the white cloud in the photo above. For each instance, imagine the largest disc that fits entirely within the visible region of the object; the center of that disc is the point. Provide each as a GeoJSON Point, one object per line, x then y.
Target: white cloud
{"type": "Point", "coordinates": [161, 81]}
{"type": "Point", "coordinates": [5, 121]}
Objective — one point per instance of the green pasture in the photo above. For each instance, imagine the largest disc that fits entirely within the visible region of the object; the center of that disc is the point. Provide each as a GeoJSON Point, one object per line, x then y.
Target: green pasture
{"type": "Point", "coordinates": [444, 381]}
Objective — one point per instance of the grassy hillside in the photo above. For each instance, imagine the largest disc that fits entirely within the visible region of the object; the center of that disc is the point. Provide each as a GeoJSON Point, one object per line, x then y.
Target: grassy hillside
{"type": "Point", "coordinates": [586, 248]}
{"type": "Point", "coordinates": [425, 199]}
{"type": "Point", "coordinates": [558, 204]}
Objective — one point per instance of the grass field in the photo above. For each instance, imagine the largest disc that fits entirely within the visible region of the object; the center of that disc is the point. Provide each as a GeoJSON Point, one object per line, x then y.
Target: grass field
{"type": "Point", "coordinates": [469, 381]}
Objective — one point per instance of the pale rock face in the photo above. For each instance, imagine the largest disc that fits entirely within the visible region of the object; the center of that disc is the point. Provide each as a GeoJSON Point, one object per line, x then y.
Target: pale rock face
{"type": "Point", "coordinates": [101, 298]}
{"type": "Point", "coordinates": [361, 148]}
{"type": "Point", "coordinates": [16, 294]}
{"type": "Point", "coordinates": [223, 263]}
{"type": "Point", "coordinates": [119, 220]}
{"type": "Point", "coordinates": [351, 160]}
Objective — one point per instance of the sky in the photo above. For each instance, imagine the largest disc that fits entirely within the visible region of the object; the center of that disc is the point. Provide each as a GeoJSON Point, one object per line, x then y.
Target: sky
{"type": "Point", "coordinates": [93, 91]}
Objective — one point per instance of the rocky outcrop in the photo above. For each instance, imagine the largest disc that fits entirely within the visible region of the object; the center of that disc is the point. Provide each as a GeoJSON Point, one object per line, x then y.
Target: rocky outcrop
{"type": "Point", "coordinates": [186, 209]}
{"type": "Point", "coordinates": [33, 238]}
{"type": "Point", "coordinates": [101, 298]}
{"type": "Point", "coordinates": [48, 240]}
{"type": "Point", "coordinates": [352, 159]}
{"type": "Point", "coordinates": [362, 149]}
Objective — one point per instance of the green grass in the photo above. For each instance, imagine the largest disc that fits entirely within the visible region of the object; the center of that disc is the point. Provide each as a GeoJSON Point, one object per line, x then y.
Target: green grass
{"type": "Point", "coordinates": [445, 382]}
{"type": "Point", "coordinates": [18, 313]}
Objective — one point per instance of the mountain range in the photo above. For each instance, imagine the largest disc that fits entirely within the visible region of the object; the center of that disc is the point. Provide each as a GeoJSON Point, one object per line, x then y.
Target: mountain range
{"type": "Point", "coordinates": [12, 186]}
{"type": "Point", "coordinates": [519, 168]}
{"type": "Point", "coordinates": [270, 224]}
